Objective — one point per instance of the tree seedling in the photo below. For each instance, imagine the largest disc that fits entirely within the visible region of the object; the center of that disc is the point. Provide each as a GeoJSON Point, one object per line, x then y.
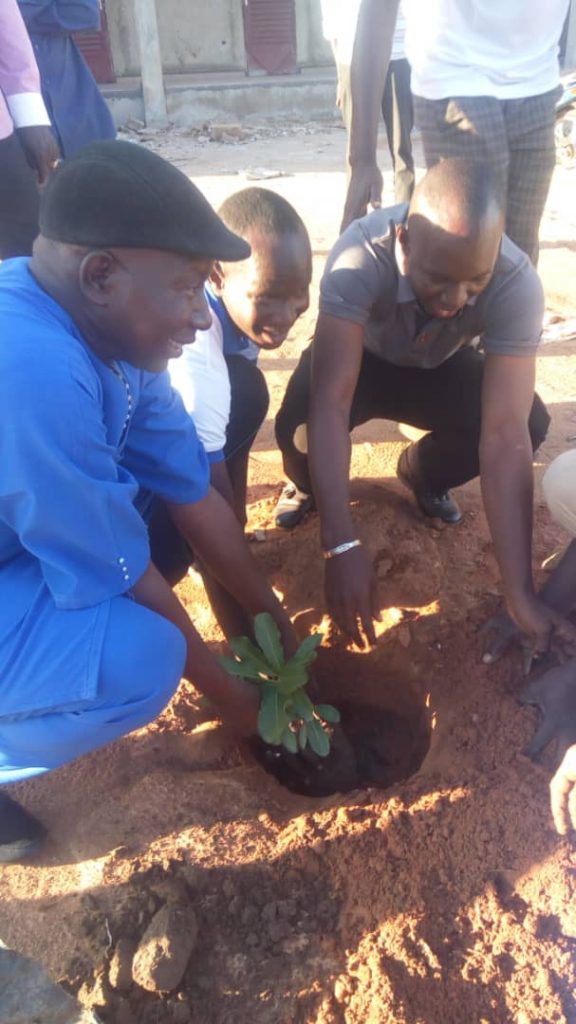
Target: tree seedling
{"type": "Point", "coordinates": [287, 716]}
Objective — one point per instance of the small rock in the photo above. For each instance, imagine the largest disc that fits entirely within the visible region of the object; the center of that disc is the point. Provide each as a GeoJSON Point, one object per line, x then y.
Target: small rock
{"type": "Point", "coordinates": [340, 990]}
{"type": "Point", "coordinates": [259, 536]}
{"type": "Point", "coordinates": [278, 930]}
{"type": "Point", "coordinates": [218, 132]}
{"type": "Point", "coordinates": [165, 948]}
{"type": "Point", "coordinates": [120, 972]}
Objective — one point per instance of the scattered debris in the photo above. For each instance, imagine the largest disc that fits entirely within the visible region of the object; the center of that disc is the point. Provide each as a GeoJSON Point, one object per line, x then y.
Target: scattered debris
{"type": "Point", "coordinates": [264, 174]}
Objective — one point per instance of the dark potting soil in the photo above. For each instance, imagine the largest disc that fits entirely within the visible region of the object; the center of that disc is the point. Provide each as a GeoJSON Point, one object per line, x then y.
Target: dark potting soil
{"type": "Point", "coordinates": [373, 746]}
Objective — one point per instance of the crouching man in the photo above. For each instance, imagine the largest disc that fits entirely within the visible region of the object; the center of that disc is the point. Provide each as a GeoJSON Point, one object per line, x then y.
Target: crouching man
{"type": "Point", "coordinates": [93, 642]}
{"type": "Point", "coordinates": [405, 292]}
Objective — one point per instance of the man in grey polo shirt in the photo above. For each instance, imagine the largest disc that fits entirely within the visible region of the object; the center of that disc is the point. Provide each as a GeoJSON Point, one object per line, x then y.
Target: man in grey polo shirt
{"type": "Point", "coordinates": [403, 296]}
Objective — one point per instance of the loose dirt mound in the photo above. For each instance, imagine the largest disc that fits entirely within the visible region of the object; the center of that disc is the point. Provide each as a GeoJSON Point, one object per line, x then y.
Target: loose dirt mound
{"type": "Point", "coordinates": [446, 899]}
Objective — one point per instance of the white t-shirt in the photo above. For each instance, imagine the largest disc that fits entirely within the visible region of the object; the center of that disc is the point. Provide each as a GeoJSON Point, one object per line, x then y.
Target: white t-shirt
{"type": "Point", "coordinates": [339, 19]}
{"type": "Point", "coordinates": [201, 377]}
{"type": "Point", "coordinates": [502, 48]}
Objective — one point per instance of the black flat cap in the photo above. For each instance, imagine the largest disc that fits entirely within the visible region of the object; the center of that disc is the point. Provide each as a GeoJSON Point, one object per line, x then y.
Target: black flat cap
{"type": "Point", "coordinates": [119, 194]}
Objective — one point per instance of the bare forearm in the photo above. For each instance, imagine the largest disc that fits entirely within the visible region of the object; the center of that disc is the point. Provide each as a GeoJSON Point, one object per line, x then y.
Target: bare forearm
{"type": "Point", "coordinates": [329, 454]}
{"type": "Point", "coordinates": [371, 55]}
{"type": "Point", "coordinates": [214, 533]}
{"type": "Point", "coordinates": [200, 668]}
{"type": "Point", "coordinates": [507, 488]}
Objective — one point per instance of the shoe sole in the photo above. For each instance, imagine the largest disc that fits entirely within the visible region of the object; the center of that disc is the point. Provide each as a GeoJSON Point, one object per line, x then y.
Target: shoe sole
{"type": "Point", "coordinates": [288, 520]}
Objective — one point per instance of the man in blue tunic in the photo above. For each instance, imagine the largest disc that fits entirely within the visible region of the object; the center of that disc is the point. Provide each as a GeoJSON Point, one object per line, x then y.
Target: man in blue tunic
{"type": "Point", "coordinates": [93, 642]}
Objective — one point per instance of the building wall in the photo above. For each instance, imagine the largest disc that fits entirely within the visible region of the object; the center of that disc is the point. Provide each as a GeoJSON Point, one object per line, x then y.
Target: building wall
{"type": "Point", "coordinates": [196, 35]}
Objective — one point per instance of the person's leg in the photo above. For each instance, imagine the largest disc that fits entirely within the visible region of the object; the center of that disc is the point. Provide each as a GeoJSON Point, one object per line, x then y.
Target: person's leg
{"type": "Point", "coordinates": [531, 144]}
{"type": "Point", "coordinates": [445, 401]}
{"type": "Point", "coordinates": [19, 200]}
{"type": "Point", "coordinates": [398, 113]}
{"type": "Point", "coordinates": [471, 127]}
{"type": "Point", "coordinates": [248, 410]}
{"type": "Point", "coordinates": [141, 663]}
{"type": "Point", "coordinates": [290, 425]}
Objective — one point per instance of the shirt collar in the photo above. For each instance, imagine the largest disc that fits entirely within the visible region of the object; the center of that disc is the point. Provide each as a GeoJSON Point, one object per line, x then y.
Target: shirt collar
{"type": "Point", "coordinates": [232, 338]}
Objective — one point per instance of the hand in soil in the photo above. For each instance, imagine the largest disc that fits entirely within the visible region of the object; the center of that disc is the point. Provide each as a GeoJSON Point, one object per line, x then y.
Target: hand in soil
{"type": "Point", "coordinates": [352, 595]}
{"type": "Point", "coordinates": [554, 693]}
{"type": "Point", "coordinates": [554, 643]}
{"type": "Point", "coordinates": [503, 634]}
{"type": "Point", "coordinates": [563, 793]}
{"type": "Point", "coordinates": [546, 629]}
{"type": "Point", "coordinates": [306, 773]}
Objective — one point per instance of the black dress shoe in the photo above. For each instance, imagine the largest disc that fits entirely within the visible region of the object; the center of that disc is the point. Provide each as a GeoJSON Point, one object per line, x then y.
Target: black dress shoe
{"type": "Point", "coordinates": [21, 834]}
{"type": "Point", "coordinates": [437, 506]}
{"type": "Point", "coordinates": [292, 506]}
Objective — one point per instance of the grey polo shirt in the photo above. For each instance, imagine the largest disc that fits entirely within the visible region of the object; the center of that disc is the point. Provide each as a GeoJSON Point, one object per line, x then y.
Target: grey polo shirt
{"type": "Point", "coordinates": [362, 283]}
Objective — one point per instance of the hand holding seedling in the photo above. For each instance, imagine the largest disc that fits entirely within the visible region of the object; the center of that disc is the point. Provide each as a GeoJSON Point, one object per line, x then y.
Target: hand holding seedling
{"type": "Point", "coordinates": [554, 693]}
{"type": "Point", "coordinates": [287, 716]}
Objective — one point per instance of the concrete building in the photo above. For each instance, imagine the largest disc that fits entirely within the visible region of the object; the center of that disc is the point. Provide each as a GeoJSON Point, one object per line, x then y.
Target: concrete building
{"type": "Point", "coordinates": [189, 61]}
{"type": "Point", "coordinates": [228, 58]}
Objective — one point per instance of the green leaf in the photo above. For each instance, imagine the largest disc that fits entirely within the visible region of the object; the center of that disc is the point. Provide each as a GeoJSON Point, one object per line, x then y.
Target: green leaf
{"type": "Point", "coordinates": [289, 741]}
{"type": "Point", "coordinates": [291, 678]}
{"type": "Point", "coordinates": [327, 712]}
{"type": "Point", "coordinates": [307, 650]}
{"type": "Point", "coordinates": [244, 648]}
{"type": "Point", "coordinates": [301, 706]}
{"type": "Point", "coordinates": [303, 736]}
{"type": "Point", "coordinates": [318, 738]}
{"type": "Point", "coordinates": [239, 668]}
{"type": "Point", "coordinates": [268, 636]}
{"type": "Point", "coordinates": [272, 719]}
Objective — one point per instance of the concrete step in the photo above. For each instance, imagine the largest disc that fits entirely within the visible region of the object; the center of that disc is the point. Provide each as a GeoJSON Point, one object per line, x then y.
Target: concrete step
{"type": "Point", "coordinates": [194, 100]}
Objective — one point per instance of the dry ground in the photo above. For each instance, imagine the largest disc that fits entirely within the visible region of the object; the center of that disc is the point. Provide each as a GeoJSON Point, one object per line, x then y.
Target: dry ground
{"type": "Point", "coordinates": [445, 899]}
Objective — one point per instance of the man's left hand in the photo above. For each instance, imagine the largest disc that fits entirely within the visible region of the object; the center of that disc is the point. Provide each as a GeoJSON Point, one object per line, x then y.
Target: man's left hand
{"type": "Point", "coordinates": [554, 693]}
{"type": "Point", "coordinates": [544, 628]}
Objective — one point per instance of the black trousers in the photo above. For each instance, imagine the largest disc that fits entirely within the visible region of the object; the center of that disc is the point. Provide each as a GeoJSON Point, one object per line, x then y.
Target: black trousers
{"type": "Point", "coordinates": [170, 552]}
{"type": "Point", "coordinates": [445, 401]}
{"type": "Point", "coordinates": [398, 114]}
{"type": "Point", "coordinates": [18, 200]}
{"type": "Point", "coordinates": [249, 404]}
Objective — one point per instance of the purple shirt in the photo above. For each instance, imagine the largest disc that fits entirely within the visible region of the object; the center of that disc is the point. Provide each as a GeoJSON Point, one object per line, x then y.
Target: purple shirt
{"type": "Point", "coordinates": [21, 102]}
